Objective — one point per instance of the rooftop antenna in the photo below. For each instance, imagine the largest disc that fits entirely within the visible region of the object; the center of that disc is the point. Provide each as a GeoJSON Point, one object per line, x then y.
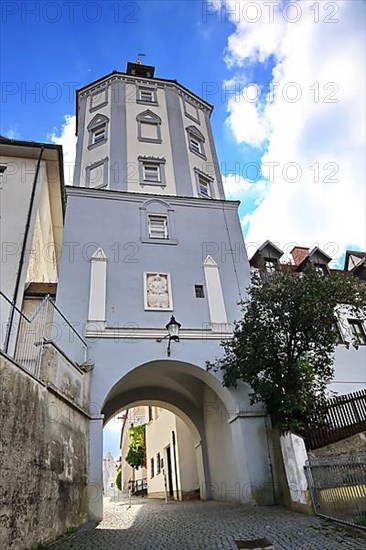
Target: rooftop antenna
{"type": "Point", "coordinates": [138, 62]}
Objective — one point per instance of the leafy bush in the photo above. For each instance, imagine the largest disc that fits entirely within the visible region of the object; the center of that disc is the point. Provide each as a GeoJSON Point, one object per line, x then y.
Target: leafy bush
{"type": "Point", "coordinates": [119, 479]}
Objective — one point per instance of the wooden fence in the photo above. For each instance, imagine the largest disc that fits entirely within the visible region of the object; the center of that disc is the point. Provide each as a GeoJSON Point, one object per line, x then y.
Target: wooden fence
{"type": "Point", "coordinates": [340, 417]}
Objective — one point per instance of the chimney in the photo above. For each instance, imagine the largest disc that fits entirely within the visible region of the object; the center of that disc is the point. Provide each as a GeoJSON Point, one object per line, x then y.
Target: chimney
{"type": "Point", "coordinates": [299, 253]}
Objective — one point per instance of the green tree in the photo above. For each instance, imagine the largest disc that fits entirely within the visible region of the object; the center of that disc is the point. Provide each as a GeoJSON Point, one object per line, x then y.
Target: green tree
{"type": "Point", "coordinates": [119, 479]}
{"type": "Point", "coordinates": [283, 346]}
{"type": "Point", "coordinates": [135, 456]}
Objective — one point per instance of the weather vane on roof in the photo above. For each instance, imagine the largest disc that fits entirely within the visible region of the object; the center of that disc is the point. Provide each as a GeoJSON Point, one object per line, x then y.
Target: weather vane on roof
{"type": "Point", "coordinates": [138, 58]}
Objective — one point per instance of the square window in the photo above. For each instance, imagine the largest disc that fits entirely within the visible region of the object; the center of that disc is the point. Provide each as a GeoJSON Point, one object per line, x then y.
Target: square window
{"type": "Point", "coordinates": [195, 145]}
{"type": "Point", "coordinates": [198, 289]}
{"type": "Point", "coordinates": [99, 134]}
{"type": "Point", "coordinates": [151, 172]}
{"type": "Point", "coordinates": [358, 331]}
{"type": "Point", "coordinates": [146, 95]}
{"type": "Point", "coordinates": [204, 186]}
{"type": "Point", "coordinates": [158, 227]}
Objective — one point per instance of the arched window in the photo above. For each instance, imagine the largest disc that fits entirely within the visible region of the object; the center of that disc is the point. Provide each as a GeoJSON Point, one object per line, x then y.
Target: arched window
{"type": "Point", "coordinates": [98, 131]}
{"type": "Point", "coordinates": [149, 127]}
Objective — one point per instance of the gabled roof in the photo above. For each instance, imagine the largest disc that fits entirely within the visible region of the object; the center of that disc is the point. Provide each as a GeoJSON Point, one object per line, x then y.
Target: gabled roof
{"type": "Point", "coordinates": [315, 250]}
{"type": "Point", "coordinates": [259, 250]}
{"type": "Point", "coordinates": [358, 254]}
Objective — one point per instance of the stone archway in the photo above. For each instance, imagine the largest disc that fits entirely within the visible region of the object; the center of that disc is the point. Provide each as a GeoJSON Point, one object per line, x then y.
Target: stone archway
{"type": "Point", "coordinates": [207, 408]}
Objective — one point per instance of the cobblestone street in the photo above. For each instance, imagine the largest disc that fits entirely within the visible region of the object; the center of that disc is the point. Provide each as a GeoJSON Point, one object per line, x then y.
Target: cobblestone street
{"type": "Point", "coordinates": [154, 525]}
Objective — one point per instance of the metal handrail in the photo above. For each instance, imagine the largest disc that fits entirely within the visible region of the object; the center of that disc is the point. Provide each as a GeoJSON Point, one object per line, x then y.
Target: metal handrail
{"type": "Point", "coordinates": [15, 307]}
{"type": "Point", "coordinates": [64, 318]}
{"type": "Point", "coordinates": [23, 352]}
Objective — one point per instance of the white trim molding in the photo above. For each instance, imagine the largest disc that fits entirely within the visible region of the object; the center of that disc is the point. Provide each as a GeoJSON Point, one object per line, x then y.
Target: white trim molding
{"type": "Point", "coordinates": [215, 295]}
{"type": "Point", "coordinates": [98, 286]}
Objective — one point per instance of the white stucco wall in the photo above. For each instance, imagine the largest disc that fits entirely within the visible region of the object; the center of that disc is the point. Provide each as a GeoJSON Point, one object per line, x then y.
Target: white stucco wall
{"type": "Point", "coordinates": [158, 438]}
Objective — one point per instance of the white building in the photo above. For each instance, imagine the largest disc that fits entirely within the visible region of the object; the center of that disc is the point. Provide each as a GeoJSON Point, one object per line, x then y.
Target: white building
{"type": "Point", "coordinates": [32, 216]}
{"type": "Point", "coordinates": [171, 461]}
{"type": "Point", "coordinates": [110, 467]}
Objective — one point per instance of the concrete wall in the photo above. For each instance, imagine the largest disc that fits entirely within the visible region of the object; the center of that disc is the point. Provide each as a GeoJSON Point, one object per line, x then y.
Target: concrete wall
{"type": "Point", "coordinates": [43, 463]}
{"type": "Point", "coordinates": [186, 458]}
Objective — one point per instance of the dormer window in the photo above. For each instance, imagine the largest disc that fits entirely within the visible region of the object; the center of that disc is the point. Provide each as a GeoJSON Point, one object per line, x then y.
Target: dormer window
{"type": "Point", "coordinates": [270, 265]}
{"type": "Point", "coordinates": [98, 131]}
{"type": "Point", "coordinates": [358, 332]}
{"type": "Point", "coordinates": [321, 269]}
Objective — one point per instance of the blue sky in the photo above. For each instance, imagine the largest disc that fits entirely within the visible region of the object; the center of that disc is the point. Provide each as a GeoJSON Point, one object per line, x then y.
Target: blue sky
{"type": "Point", "coordinates": [314, 50]}
{"type": "Point", "coordinates": [65, 48]}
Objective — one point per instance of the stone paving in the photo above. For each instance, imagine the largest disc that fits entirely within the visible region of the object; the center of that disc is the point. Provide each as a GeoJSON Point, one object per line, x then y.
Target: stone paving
{"type": "Point", "coordinates": [154, 525]}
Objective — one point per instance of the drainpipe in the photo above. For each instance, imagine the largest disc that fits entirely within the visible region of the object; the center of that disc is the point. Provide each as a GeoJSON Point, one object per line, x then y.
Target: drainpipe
{"type": "Point", "coordinates": [22, 254]}
{"type": "Point", "coordinates": [175, 464]}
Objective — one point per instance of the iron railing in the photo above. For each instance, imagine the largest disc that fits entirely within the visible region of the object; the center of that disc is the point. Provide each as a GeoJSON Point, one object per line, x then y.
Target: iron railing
{"type": "Point", "coordinates": [337, 485]}
{"type": "Point", "coordinates": [46, 324]}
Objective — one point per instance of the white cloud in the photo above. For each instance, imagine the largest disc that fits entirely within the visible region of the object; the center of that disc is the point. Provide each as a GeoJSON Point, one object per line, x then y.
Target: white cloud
{"type": "Point", "coordinates": [13, 132]}
{"type": "Point", "coordinates": [313, 132]}
{"type": "Point", "coordinates": [67, 138]}
{"type": "Point", "coordinates": [236, 185]}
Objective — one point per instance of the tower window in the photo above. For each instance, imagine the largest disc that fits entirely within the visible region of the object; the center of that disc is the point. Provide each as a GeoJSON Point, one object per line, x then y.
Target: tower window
{"type": "Point", "coordinates": [195, 145]}
{"type": "Point", "coordinates": [146, 95]}
{"type": "Point", "coordinates": [98, 131]}
{"type": "Point", "coordinates": [151, 172]}
{"type": "Point", "coordinates": [98, 134]}
{"type": "Point", "coordinates": [358, 331]}
{"type": "Point", "coordinates": [195, 141]}
{"type": "Point", "coordinates": [198, 289]}
{"type": "Point", "coordinates": [204, 186]}
{"type": "Point", "coordinates": [158, 227]}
